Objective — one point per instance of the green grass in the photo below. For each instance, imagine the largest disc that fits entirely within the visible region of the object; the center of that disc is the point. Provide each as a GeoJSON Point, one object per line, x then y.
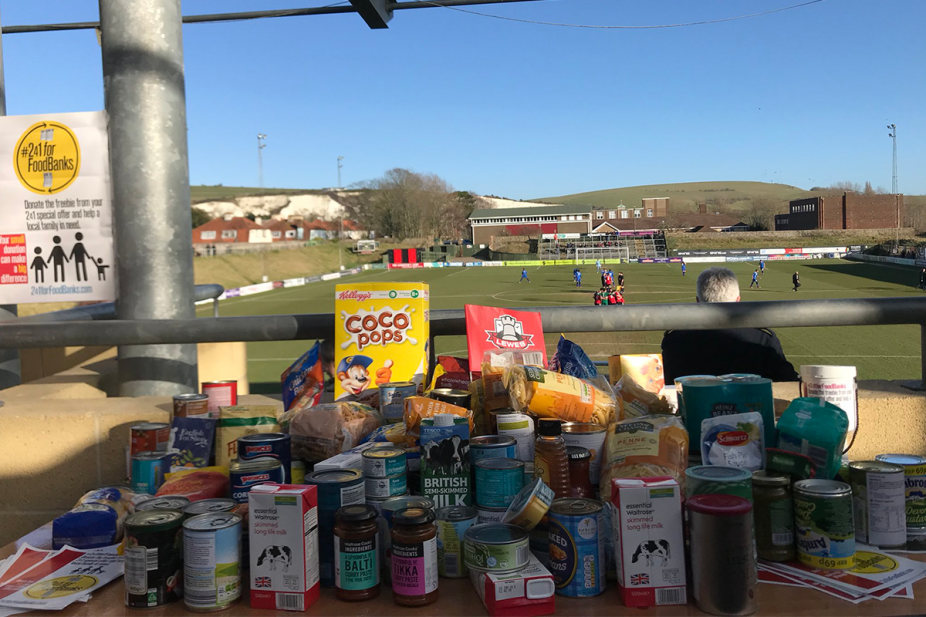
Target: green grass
{"type": "Point", "coordinates": [677, 240]}
{"type": "Point", "coordinates": [879, 352]}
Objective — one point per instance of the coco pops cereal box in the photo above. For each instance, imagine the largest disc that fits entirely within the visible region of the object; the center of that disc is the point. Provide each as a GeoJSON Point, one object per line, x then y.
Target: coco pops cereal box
{"type": "Point", "coordinates": [381, 336]}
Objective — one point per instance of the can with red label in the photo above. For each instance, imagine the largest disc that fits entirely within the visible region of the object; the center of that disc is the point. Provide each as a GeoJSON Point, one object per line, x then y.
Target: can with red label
{"type": "Point", "coordinates": [267, 445]}
{"type": "Point", "coordinates": [150, 437]}
{"type": "Point", "coordinates": [221, 394]}
{"type": "Point", "coordinates": [191, 405]}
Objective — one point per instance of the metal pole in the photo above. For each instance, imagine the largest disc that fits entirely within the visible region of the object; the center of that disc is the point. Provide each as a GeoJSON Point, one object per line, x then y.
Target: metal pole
{"type": "Point", "coordinates": [341, 235]}
{"type": "Point", "coordinates": [260, 159]}
{"type": "Point", "coordinates": [10, 369]}
{"type": "Point", "coordinates": [146, 102]}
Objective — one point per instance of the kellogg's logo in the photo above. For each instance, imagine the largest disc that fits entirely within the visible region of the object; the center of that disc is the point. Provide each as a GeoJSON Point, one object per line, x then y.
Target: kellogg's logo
{"type": "Point", "coordinates": [353, 294]}
{"type": "Point", "coordinates": [509, 334]}
{"type": "Point", "coordinates": [377, 327]}
{"type": "Point", "coordinates": [733, 438]}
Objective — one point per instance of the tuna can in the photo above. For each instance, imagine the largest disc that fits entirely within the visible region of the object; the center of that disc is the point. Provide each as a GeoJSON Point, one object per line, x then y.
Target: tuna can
{"type": "Point", "coordinates": [166, 502]}
{"type": "Point", "coordinates": [211, 561]}
{"type": "Point", "coordinates": [915, 483]}
{"type": "Point", "coordinates": [392, 399]}
{"type": "Point", "coordinates": [724, 573]}
{"type": "Point", "coordinates": [191, 405]}
{"type": "Point", "coordinates": [221, 394]}
{"type": "Point", "coordinates": [492, 446]}
{"type": "Point", "coordinates": [388, 508]}
{"type": "Point", "coordinates": [530, 505]}
{"type": "Point", "coordinates": [336, 488]}
{"type": "Point", "coordinates": [268, 445]}
{"type": "Point", "coordinates": [496, 548]}
{"type": "Point", "coordinates": [148, 470]}
{"type": "Point", "coordinates": [519, 427]}
{"type": "Point", "coordinates": [210, 506]}
{"type": "Point", "coordinates": [825, 531]}
{"type": "Point", "coordinates": [590, 436]}
{"type": "Point", "coordinates": [150, 437]}
{"type": "Point", "coordinates": [244, 475]}
{"type": "Point", "coordinates": [153, 558]}
{"type": "Point", "coordinates": [383, 462]}
{"type": "Point", "coordinates": [718, 480]}
{"type": "Point", "coordinates": [452, 523]}
{"type": "Point", "coordinates": [498, 481]}
{"type": "Point", "coordinates": [490, 515]}
{"type": "Point", "coordinates": [384, 488]}
{"type": "Point", "coordinates": [878, 501]}
{"type": "Point", "coordinates": [460, 398]}
{"type": "Point", "coordinates": [577, 547]}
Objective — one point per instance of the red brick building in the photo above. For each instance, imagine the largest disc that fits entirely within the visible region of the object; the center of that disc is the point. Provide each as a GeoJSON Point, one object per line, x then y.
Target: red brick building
{"type": "Point", "coordinates": [234, 229]}
{"type": "Point", "coordinates": [846, 211]}
{"type": "Point", "coordinates": [281, 231]}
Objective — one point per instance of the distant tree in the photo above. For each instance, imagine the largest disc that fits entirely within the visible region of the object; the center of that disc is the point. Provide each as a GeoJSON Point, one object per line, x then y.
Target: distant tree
{"type": "Point", "coordinates": [250, 216]}
{"type": "Point", "coordinates": [405, 204]}
{"type": "Point", "coordinates": [881, 190]}
{"type": "Point", "coordinates": [868, 190]}
{"type": "Point", "coordinates": [761, 214]}
{"type": "Point", "coordinates": [855, 187]}
{"type": "Point", "coordinates": [200, 217]}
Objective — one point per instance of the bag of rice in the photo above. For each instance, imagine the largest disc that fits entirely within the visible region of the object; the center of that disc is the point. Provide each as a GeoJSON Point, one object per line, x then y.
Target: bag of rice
{"type": "Point", "coordinates": [645, 447]}
{"type": "Point", "coordinates": [240, 420]}
{"type": "Point", "coordinates": [555, 395]}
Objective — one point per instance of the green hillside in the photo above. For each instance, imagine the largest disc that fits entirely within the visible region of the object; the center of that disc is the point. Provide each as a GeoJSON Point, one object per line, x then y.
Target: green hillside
{"type": "Point", "coordinates": [218, 192]}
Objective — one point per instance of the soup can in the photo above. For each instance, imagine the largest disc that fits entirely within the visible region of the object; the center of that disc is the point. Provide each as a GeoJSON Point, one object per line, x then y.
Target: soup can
{"type": "Point", "coordinates": [392, 399]}
{"type": "Point", "coordinates": [577, 547]}
{"type": "Point", "coordinates": [383, 462]}
{"type": "Point", "coordinates": [165, 502]}
{"type": "Point", "coordinates": [211, 506]}
{"type": "Point", "coordinates": [268, 445]}
{"type": "Point", "coordinates": [191, 405]}
{"type": "Point", "coordinates": [492, 446]}
{"type": "Point", "coordinates": [497, 548]}
{"type": "Point", "coordinates": [148, 471]}
{"type": "Point", "coordinates": [460, 398]}
{"type": "Point", "coordinates": [591, 437]}
{"type": "Point", "coordinates": [336, 488]}
{"type": "Point", "coordinates": [878, 500]}
{"type": "Point", "coordinates": [150, 437]}
{"type": "Point", "coordinates": [823, 524]}
{"type": "Point", "coordinates": [498, 481]}
{"type": "Point", "coordinates": [452, 523]}
{"type": "Point", "coordinates": [221, 394]}
{"type": "Point", "coordinates": [914, 484]}
{"type": "Point", "coordinates": [212, 561]}
{"type": "Point", "coordinates": [153, 558]}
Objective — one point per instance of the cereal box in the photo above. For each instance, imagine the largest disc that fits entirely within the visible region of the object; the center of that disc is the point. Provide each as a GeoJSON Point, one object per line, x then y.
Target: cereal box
{"type": "Point", "coordinates": [648, 547]}
{"type": "Point", "coordinates": [645, 369]}
{"type": "Point", "coordinates": [381, 336]}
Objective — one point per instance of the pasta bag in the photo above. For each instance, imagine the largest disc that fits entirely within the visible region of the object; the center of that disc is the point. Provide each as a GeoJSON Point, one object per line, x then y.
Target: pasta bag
{"type": "Point", "coordinates": [555, 395]}
{"type": "Point", "coordinates": [645, 447]}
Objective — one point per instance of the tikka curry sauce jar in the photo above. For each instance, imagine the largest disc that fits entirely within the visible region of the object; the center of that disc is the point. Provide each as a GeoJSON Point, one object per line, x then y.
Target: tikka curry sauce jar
{"type": "Point", "coordinates": [414, 557]}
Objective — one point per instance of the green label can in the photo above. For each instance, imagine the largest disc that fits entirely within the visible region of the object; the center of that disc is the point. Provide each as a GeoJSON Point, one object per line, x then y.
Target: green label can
{"type": "Point", "coordinates": [452, 523]}
{"type": "Point", "coordinates": [498, 548]}
{"type": "Point", "coordinates": [824, 525]}
{"type": "Point", "coordinates": [498, 481]}
{"type": "Point", "coordinates": [914, 486]}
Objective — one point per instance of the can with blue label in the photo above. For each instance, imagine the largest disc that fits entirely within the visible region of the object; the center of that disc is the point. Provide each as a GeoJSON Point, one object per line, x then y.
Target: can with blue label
{"type": "Point", "coordinates": [244, 475]}
{"type": "Point", "coordinates": [212, 561]}
{"type": "Point", "coordinates": [498, 481]}
{"type": "Point", "coordinates": [148, 470]}
{"type": "Point", "coordinates": [492, 446]}
{"type": "Point", "coordinates": [336, 488]}
{"type": "Point", "coordinates": [268, 445]}
{"type": "Point", "coordinates": [577, 547]}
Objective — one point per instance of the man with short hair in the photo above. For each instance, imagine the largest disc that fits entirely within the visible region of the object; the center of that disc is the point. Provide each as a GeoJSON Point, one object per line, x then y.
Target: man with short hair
{"type": "Point", "coordinates": [796, 280]}
{"type": "Point", "coordinates": [728, 350]}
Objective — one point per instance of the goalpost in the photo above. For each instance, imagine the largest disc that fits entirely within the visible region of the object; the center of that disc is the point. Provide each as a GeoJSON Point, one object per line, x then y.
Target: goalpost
{"type": "Point", "coordinates": [594, 252]}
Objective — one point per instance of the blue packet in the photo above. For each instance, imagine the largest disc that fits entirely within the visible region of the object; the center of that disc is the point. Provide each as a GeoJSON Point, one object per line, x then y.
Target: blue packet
{"type": "Point", "coordinates": [191, 442]}
{"type": "Point", "coordinates": [570, 359]}
{"type": "Point", "coordinates": [304, 379]}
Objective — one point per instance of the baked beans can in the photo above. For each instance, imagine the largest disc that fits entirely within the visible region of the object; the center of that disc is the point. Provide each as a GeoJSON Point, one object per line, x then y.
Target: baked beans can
{"type": "Point", "coordinates": [212, 561]}
{"type": "Point", "coordinates": [221, 394]}
{"type": "Point", "coordinates": [268, 445]}
{"type": "Point", "coordinates": [148, 471]}
{"type": "Point", "coordinates": [191, 405]}
{"type": "Point", "coordinates": [452, 523]}
{"type": "Point", "coordinates": [823, 524]}
{"type": "Point", "coordinates": [915, 486]}
{"type": "Point", "coordinates": [150, 437]}
{"type": "Point", "coordinates": [153, 558]}
{"type": "Point", "coordinates": [878, 500]}
{"type": "Point", "coordinates": [577, 547]}
{"type": "Point", "coordinates": [392, 399]}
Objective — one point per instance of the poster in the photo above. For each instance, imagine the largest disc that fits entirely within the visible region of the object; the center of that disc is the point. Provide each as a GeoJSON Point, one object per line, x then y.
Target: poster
{"type": "Point", "coordinates": [56, 227]}
{"type": "Point", "coordinates": [497, 330]}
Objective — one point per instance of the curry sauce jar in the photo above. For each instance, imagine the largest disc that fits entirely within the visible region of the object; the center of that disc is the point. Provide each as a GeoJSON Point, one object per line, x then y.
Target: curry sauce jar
{"type": "Point", "coordinates": [383, 462]}
{"type": "Point", "coordinates": [577, 547]}
{"type": "Point", "coordinates": [356, 553]}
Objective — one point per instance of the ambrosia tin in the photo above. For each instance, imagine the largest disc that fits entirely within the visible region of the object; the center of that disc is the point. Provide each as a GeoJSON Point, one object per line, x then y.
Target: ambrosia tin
{"type": "Point", "coordinates": [823, 524]}
{"type": "Point", "coordinates": [878, 499]}
{"type": "Point", "coordinates": [577, 547]}
{"type": "Point", "coordinates": [915, 484]}
{"type": "Point", "coordinates": [153, 558]}
{"type": "Point", "coordinates": [383, 462]}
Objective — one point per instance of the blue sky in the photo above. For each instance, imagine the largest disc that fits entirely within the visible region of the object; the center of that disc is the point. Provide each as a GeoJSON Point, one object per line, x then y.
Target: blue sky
{"type": "Point", "coordinates": [800, 97]}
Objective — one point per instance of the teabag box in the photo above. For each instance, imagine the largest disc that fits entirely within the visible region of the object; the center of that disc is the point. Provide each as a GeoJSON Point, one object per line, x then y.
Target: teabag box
{"type": "Point", "coordinates": [649, 549]}
{"type": "Point", "coordinates": [529, 592]}
{"type": "Point", "coordinates": [283, 542]}
{"type": "Point", "coordinates": [381, 336]}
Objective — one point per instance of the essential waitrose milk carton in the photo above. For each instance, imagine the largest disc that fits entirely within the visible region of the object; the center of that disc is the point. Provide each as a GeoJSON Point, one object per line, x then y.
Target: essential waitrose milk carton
{"type": "Point", "coordinates": [381, 336]}
{"type": "Point", "coordinates": [283, 538]}
{"type": "Point", "coordinates": [649, 548]}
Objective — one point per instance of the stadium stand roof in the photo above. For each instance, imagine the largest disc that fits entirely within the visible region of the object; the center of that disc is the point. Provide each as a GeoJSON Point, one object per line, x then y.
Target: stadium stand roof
{"type": "Point", "coordinates": [491, 213]}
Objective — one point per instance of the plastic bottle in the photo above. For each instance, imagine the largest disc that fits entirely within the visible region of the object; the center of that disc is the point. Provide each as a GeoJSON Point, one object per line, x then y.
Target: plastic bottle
{"type": "Point", "coordinates": [550, 460]}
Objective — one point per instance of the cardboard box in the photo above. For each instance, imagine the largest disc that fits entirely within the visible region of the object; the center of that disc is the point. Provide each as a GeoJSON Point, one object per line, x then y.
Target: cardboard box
{"type": "Point", "coordinates": [283, 542]}
{"type": "Point", "coordinates": [645, 369]}
{"type": "Point", "coordinates": [649, 549]}
{"type": "Point", "coordinates": [352, 459]}
{"type": "Point", "coordinates": [381, 336]}
{"type": "Point", "coordinates": [527, 593]}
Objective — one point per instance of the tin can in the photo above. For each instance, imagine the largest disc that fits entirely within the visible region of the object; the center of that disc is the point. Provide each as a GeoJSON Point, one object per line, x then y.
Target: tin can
{"type": "Point", "coordinates": [498, 481]}
{"type": "Point", "coordinates": [244, 475]}
{"type": "Point", "coordinates": [724, 572]}
{"type": "Point", "coordinates": [392, 399]}
{"type": "Point", "coordinates": [590, 436]}
{"type": "Point", "coordinates": [153, 558]}
{"type": "Point", "coordinates": [165, 502]}
{"type": "Point", "coordinates": [519, 427]}
{"type": "Point", "coordinates": [452, 523]}
{"type": "Point", "coordinates": [490, 515]}
{"type": "Point", "coordinates": [718, 480]}
{"type": "Point", "coordinates": [493, 418]}
{"type": "Point", "coordinates": [210, 506]}
{"type": "Point", "coordinates": [530, 505]}
{"type": "Point", "coordinates": [211, 561]}
{"type": "Point", "coordinates": [460, 398]}
{"type": "Point", "coordinates": [915, 485]}
{"type": "Point", "coordinates": [191, 405]}
{"type": "Point", "coordinates": [773, 514]}
{"type": "Point", "coordinates": [150, 437]}
{"type": "Point", "coordinates": [823, 524]}
{"type": "Point", "coordinates": [384, 488]}
{"type": "Point", "coordinates": [577, 547]}
{"type": "Point", "coordinates": [496, 548]}
{"type": "Point", "coordinates": [268, 445]}
{"type": "Point", "coordinates": [492, 446]}
{"type": "Point", "coordinates": [148, 470]}
{"type": "Point", "coordinates": [388, 508]}
{"type": "Point", "coordinates": [336, 488]}
{"type": "Point", "coordinates": [383, 462]}
{"type": "Point", "coordinates": [878, 501]}
{"type": "Point", "coordinates": [221, 394]}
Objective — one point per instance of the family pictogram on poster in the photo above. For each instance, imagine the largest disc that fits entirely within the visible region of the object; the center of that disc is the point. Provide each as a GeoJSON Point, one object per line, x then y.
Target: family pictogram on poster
{"type": "Point", "coordinates": [59, 256]}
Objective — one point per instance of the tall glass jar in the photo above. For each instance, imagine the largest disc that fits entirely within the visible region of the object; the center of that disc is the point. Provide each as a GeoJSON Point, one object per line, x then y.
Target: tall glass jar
{"type": "Point", "coordinates": [774, 516]}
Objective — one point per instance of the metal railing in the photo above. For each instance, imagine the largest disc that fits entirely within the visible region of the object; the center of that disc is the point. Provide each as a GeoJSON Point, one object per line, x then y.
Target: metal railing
{"type": "Point", "coordinates": [651, 317]}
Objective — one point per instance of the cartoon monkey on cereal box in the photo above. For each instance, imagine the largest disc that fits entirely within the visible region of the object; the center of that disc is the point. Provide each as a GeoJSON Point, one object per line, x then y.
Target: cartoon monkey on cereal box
{"type": "Point", "coordinates": [354, 375]}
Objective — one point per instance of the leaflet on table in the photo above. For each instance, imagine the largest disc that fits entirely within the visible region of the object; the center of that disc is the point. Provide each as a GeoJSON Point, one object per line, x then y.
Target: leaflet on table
{"type": "Point", "coordinates": [768, 575]}
{"type": "Point", "coordinates": [25, 558]}
{"type": "Point", "coordinates": [62, 578]}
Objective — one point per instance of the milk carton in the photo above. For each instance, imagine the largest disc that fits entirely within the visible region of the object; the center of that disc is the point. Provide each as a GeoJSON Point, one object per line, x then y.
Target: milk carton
{"type": "Point", "coordinates": [283, 526]}
{"type": "Point", "coordinates": [381, 336]}
{"type": "Point", "coordinates": [529, 592]}
{"type": "Point", "coordinates": [649, 549]}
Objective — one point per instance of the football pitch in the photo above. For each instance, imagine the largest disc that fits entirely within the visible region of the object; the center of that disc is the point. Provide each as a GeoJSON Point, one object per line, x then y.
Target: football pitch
{"type": "Point", "coordinates": [879, 352]}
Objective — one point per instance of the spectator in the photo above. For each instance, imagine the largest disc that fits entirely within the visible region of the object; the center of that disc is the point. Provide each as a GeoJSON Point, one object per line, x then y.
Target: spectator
{"type": "Point", "coordinates": [729, 350]}
{"type": "Point", "coordinates": [922, 284]}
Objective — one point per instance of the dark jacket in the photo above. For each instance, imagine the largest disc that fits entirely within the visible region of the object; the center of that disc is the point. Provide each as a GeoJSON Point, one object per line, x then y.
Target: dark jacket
{"type": "Point", "coordinates": [717, 352]}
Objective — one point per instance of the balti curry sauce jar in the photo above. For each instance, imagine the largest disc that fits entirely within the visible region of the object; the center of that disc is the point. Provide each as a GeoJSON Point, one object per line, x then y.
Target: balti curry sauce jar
{"type": "Point", "coordinates": [356, 553]}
